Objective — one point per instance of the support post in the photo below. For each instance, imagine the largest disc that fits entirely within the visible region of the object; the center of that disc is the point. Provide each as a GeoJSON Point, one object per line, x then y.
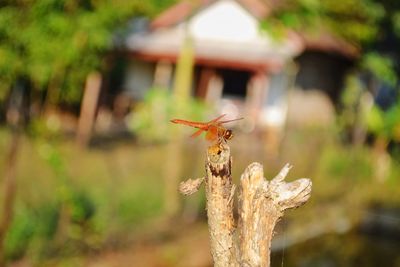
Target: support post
{"type": "Point", "coordinates": [88, 108]}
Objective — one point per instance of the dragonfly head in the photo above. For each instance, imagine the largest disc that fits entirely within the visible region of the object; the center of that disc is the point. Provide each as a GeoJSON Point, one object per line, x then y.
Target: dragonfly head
{"type": "Point", "coordinates": [228, 135]}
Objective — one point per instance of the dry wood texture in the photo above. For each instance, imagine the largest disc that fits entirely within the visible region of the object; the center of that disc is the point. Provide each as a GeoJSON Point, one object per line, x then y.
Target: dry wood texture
{"type": "Point", "coordinates": [219, 194]}
{"type": "Point", "coordinates": [261, 205]}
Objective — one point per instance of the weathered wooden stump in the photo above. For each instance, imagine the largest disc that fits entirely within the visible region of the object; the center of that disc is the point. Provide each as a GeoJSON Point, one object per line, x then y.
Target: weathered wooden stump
{"type": "Point", "coordinates": [261, 205]}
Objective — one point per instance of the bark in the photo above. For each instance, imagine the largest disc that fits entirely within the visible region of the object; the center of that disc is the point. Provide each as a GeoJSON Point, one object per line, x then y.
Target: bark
{"type": "Point", "coordinates": [53, 91]}
{"type": "Point", "coordinates": [219, 193]}
{"type": "Point", "coordinates": [14, 120]}
{"type": "Point", "coordinates": [261, 204]}
{"type": "Point", "coordinates": [9, 192]}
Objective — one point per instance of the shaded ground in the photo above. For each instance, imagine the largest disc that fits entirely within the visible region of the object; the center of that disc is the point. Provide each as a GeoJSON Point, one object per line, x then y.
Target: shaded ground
{"type": "Point", "coordinates": [187, 246]}
{"type": "Point", "coordinates": [189, 249]}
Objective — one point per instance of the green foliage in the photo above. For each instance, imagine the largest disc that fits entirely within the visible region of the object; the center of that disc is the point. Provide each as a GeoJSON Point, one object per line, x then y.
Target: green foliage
{"type": "Point", "coordinates": [34, 229]}
{"type": "Point", "coordinates": [75, 208]}
{"type": "Point", "coordinates": [340, 163]}
{"type": "Point", "coordinates": [61, 41]}
{"type": "Point", "coordinates": [64, 205]}
{"type": "Point", "coordinates": [82, 208]}
{"type": "Point", "coordinates": [375, 120]}
{"type": "Point", "coordinates": [136, 207]}
{"type": "Point", "coordinates": [396, 23]}
{"type": "Point", "coordinates": [150, 120]}
{"type": "Point", "coordinates": [359, 22]}
{"type": "Point", "coordinates": [352, 92]}
{"type": "Point", "coordinates": [45, 217]}
{"type": "Point", "coordinates": [381, 66]}
{"type": "Point", "coordinates": [351, 110]}
{"type": "Point", "coordinates": [31, 224]}
{"type": "Point", "coordinates": [358, 111]}
{"type": "Point", "coordinates": [19, 235]}
{"type": "Point", "coordinates": [354, 20]}
{"type": "Point", "coordinates": [385, 124]}
{"type": "Point", "coordinates": [157, 6]}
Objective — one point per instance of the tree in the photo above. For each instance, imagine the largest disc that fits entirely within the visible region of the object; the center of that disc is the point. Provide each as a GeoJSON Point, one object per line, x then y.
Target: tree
{"type": "Point", "coordinates": [365, 24]}
{"type": "Point", "coordinates": [55, 43]}
{"type": "Point", "coordinates": [50, 46]}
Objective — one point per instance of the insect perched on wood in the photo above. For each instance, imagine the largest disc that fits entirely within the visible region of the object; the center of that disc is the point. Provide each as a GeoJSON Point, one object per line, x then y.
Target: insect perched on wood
{"type": "Point", "coordinates": [215, 130]}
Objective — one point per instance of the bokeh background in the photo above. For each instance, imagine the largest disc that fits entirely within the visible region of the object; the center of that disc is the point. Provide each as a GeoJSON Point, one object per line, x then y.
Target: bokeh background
{"type": "Point", "coordinates": [90, 163]}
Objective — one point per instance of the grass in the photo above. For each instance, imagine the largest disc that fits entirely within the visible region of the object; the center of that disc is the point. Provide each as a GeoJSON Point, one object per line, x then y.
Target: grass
{"type": "Point", "coordinates": [103, 192]}
{"type": "Point", "coordinates": [109, 194]}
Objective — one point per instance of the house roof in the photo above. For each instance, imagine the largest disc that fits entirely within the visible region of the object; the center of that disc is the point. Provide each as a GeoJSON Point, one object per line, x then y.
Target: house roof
{"type": "Point", "coordinates": [224, 33]}
{"type": "Point", "coordinates": [167, 32]}
{"type": "Point", "coordinates": [184, 9]}
{"type": "Point", "coordinates": [330, 43]}
{"type": "Point", "coordinates": [212, 53]}
{"type": "Point", "coordinates": [259, 9]}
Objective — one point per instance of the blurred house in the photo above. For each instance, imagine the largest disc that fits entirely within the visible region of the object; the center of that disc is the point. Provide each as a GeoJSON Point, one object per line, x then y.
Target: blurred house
{"type": "Point", "coordinates": [324, 63]}
{"type": "Point", "coordinates": [322, 69]}
{"type": "Point", "coordinates": [237, 66]}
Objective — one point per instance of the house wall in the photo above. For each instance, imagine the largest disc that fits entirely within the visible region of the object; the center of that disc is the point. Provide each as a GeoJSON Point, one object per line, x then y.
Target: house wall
{"type": "Point", "coordinates": [322, 71]}
{"type": "Point", "coordinates": [225, 21]}
{"type": "Point", "coordinates": [274, 110]}
{"type": "Point", "coordinates": [139, 76]}
{"type": "Point", "coordinates": [229, 50]}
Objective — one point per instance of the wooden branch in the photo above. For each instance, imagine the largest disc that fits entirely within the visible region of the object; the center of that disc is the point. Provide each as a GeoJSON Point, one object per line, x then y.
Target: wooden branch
{"type": "Point", "coordinates": [261, 205]}
{"type": "Point", "coordinates": [190, 186]}
{"type": "Point", "coordinates": [219, 193]}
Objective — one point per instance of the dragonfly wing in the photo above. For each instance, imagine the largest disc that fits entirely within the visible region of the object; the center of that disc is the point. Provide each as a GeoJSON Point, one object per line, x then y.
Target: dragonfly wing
{"type": "Point", "coordinates": [197, 133]}
{"type": "Point", "coordinates": [216, 119]}
{"type": "Point", "coordinates": [221, 122]}
{"type": "Point", "coordinates": [199, 125]}
{"type": "Point", "coordinates": [194, 124]}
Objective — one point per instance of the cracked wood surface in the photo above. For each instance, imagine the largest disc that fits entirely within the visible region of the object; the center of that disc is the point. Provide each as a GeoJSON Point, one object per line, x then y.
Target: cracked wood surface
{"type": "Point", "coordinates": [219, 191]}
{"type": "Point", "coordinates": [261, 205]}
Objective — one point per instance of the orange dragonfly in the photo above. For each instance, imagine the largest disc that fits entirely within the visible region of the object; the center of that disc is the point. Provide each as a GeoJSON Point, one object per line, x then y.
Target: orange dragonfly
{"type": "Point", "coordinates": [215, 130]}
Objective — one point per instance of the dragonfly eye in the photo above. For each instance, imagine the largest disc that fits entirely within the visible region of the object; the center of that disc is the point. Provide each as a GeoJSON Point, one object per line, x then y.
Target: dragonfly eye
{"type": "Point", "coordinates": [228, 135]}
